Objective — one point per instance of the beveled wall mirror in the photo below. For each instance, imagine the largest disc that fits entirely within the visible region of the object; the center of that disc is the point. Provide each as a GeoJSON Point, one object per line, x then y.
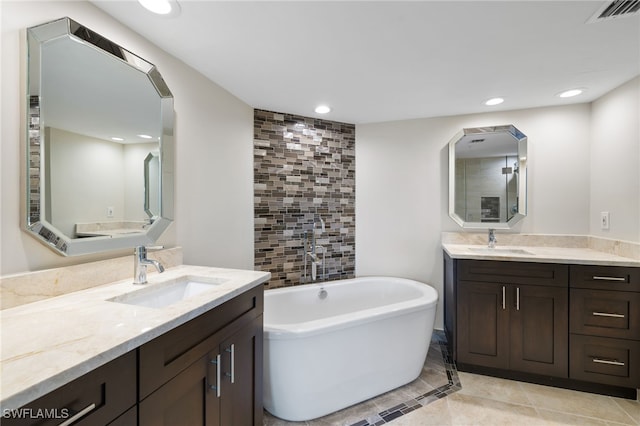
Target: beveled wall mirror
{"type": "Point", "coordinates": [488, 177]}
{"type": "Point", "coordinates": [96, 112]}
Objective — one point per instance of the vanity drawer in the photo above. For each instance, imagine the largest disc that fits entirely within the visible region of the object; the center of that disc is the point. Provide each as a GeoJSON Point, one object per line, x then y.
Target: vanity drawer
{"type": "Point", "coordinates": [618, 278]}
{"type": "Point", "coordinates": [605, 313]}
{"type": "Point", "coordinates": [164, 357]}
{"type": "Point", "coordinates": [102, 394]}
{"type": "Point", "coordinates": [604, 360]}
{"type": "Point", "coordinates": [549, 274]}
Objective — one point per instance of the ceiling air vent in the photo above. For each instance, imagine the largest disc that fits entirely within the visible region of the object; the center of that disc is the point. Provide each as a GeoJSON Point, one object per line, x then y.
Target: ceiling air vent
{"type": "Point", "coordinates": [616, 9]}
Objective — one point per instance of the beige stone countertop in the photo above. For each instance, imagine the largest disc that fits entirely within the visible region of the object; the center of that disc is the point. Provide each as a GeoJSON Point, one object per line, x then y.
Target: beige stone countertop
{"type": "Point", "coordinates": [49, 343]}
{"type": "Point", "coordinates": [525, 253]}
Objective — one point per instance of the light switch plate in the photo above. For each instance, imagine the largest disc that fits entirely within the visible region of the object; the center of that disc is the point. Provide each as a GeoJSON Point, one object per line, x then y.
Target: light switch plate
{"type": "Point", "coordinates": [604, 220]}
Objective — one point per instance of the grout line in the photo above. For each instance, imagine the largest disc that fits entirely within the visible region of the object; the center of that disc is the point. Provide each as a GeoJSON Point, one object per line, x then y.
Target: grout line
{"type": "Point", "coordinates": [615, 401]}
{"type": "Point", "coordinates": [424, 399]}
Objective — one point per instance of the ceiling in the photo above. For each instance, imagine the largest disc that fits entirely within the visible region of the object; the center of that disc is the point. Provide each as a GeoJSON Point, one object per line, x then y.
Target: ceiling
{"type": "Point", "coordinates": [374, 61]}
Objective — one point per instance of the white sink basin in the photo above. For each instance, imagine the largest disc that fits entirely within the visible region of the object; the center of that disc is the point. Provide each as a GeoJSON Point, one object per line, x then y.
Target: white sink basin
{"type": "Point", "coordinates": [165, 294]}
{"type": "Point", "coordinates": [487, 250]}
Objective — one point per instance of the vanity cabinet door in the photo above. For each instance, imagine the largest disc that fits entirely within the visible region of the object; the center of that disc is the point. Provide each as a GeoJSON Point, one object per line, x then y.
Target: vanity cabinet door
{"type": "Point", "coordinates": [222, 388]}
{"type": "Point", "coordinates": [241, 392]}
{"type": "Point", "coordinates": [187, 399]}
{"type": "Point", "coordinates": [539, 326]}
{"type": "Point", "coordinates": [483, 324]}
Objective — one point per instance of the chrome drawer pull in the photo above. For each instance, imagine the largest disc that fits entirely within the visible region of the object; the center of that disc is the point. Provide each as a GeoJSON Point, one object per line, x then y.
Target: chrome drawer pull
{"type": "Point", "coordinates": [503, 298]}
{"type": "Point", "coordinates": [595, 277]}
{"type": "Point", "coordinates": [604, 314]}
{"type": "Point", "coordinates": [606, 361]}
{"type": "Point", "coordinates": [79, 415]}
{"type": "Point", "coordinates": [232, 351]}
{"type": "Point", "coordinates": [217, 386]}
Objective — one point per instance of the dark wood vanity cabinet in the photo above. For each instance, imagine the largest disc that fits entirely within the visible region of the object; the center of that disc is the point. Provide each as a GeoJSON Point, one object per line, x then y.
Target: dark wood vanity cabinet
{"type": "Point", "coordinates": [512, 316]}
{"type": "Point", "coordinates": [208, 371]}
{"type": "Point", "coordinates": [106, 395]}
{"type": "Point", "coordinates": [575, 326]}
{"type": "Point", "coordinates": [605, 325]}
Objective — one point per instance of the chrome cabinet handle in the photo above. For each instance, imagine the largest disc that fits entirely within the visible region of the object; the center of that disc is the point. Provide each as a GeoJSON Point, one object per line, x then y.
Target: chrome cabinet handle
{"type": "Point", "coordinates": [517, 298]}
{"type": "Point", "coordinates": [504, 298]}
{"type": "Point", "coordinates": [606, 361]}
{"type": "Point", "coordinates": [217, 386]}
{"type": "Point", "coordinates": [605, 314]}
{"type": "Point", "coordinates": [599, 278]}
{"type": "Point", "coordinates": [232, 351]}
{"type": "Point", "coordinates": [79, 415]}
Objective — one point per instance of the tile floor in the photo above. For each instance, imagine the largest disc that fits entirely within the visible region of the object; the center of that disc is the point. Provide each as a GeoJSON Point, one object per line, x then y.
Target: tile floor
{"type": "Point", "coordinates": [443, 396]}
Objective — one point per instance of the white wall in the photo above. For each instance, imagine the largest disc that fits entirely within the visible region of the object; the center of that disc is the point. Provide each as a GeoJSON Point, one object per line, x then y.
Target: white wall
{"type": "Point", "coordinates": [402, 186]}
{"type": "Point", "coordinates": [214, 136]}
{"type": "Point", "coordinates": [615, 162]}
{"type": "Point", "coordinates": [86, 175]}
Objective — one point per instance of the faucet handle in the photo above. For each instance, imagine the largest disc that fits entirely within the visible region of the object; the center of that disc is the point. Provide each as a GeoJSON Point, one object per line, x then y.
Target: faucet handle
{"type": "Point", "coordinates": [144, 249]}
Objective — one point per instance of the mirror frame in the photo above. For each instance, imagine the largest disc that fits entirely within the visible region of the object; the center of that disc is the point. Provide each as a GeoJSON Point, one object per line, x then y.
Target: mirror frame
{"type": "Point", "coordinates": [521, 140]}
{"type": "Point", "coordinates": [35, 224]}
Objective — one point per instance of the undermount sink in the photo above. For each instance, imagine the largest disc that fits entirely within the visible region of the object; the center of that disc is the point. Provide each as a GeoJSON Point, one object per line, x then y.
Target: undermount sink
{"type": "Point", "coordinates": [165, 294]}
{"type": "Point", "coordinates": [487, 250]}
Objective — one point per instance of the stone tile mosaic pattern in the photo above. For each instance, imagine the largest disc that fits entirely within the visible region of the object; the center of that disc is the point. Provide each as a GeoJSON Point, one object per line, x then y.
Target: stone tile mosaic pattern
{"type": "Point", "coordinates": [304, 170]}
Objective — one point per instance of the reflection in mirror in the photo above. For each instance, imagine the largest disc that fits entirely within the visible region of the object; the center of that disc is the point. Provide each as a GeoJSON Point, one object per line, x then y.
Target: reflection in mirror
{"type": "Point", "coordinates": [96, 112]}
{"type": "Point", "coordinates": [151, 185]}
{"type": "Point", "coordinates": [487, 177]}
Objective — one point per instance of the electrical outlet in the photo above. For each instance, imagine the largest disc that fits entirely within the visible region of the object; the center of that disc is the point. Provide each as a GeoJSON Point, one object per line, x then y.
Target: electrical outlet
{"type": "Point", "coordinates": [110, 211]}
{"type": "Point", "coordinates": [604, 220]}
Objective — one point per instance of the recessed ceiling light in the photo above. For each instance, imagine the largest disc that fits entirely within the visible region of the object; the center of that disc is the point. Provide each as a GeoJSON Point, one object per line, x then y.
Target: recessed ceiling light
{"type": "Point", "coordinates": [161, 7]}
{"type": "Point", "coordinates": [145, 136]}
{"type": "Point", "coordinates": [322, 109]}
{"type": "Point", "coordinates": [570, 93]}
{"type": "Point", "coordinates": [494, 101]}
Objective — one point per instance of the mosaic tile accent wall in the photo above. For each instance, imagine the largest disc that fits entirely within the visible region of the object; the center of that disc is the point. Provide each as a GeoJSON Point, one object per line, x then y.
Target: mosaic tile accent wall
{"type": "Point", "coordinates": [34, 159]}
{"type": "Point", "coordinates": [304, 171]}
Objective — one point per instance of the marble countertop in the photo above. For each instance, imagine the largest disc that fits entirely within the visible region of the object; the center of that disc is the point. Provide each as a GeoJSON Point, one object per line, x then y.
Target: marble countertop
{"type": "Point", "coordinates": [49, 343]}
{"type": "Point", "coordinates": [525, 253]}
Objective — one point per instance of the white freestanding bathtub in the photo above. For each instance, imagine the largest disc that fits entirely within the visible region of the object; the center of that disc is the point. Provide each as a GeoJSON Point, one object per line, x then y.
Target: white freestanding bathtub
{"type": "Point", "coordinates": [365, 337]}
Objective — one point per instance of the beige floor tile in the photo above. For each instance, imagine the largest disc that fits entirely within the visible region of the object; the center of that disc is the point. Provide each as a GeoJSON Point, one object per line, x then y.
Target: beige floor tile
{"type": "Point", "coordinates": [391, 399]}
{"type": "Point", "coordinates": [436, 414]}
{"type": "Point", "coordinates": [493, 388]}
{"type": "Point", "coordinates": [347, 416]}
{"type": "Point", "coordinates": [269, 420]}
{"type": "Point", "coordinates": [553, 418]}
{"type": "Point", "coordinates": [472, 410]}
{"type": "Point", "coordinates": [632, 408]}
{"type": "Point", "coordinates": [574, 402]}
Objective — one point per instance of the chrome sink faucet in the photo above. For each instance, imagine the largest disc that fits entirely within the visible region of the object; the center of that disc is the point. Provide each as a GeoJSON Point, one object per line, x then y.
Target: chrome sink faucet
{"type": "Point", "coordinates": [140, 263]}
{"type": "Point", "coordinates": [492, 238]}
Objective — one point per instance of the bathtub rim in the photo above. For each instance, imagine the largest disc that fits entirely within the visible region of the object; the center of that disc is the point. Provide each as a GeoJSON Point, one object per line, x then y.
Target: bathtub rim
{"type": "Point", "coordinates": [428, 300]}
